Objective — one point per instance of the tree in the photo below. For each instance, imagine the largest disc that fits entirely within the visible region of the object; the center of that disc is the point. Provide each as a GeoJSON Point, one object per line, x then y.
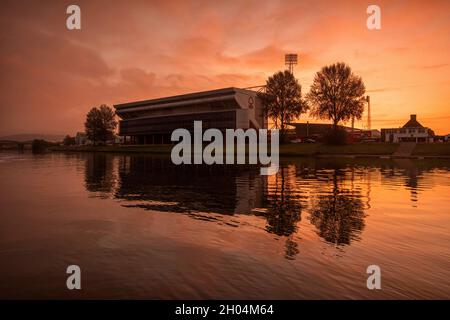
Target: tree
{"type": "Point", "coordinates": [100, 124]}
{"type": "Point", "coordinates": [337, 94]}
{"type": "Point", "coordinates": [282, 100]}
{"type": "Point", "coordinates": [39, 146]}
{"type": "Point", "coordinates": [69, 141]}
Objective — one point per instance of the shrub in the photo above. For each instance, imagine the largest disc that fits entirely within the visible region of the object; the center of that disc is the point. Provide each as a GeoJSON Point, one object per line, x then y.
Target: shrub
{"type": "Point", "coordinates": [39, 146]}
{"type": "Point", "coordinates": [69, 141]}
{"type": "Point", "coordinates": [336, 136]}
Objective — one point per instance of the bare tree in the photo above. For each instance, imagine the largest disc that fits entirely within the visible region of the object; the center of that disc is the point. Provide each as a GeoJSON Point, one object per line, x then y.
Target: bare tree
{"type": "Point", "coordinates": [337, 94]}
{"type": "Point", "coordinates": [282, 100]}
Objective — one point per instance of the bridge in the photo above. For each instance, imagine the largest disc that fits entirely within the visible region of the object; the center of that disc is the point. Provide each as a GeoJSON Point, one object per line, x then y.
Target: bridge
{"type": "Point", "coordinates": [14, 145]}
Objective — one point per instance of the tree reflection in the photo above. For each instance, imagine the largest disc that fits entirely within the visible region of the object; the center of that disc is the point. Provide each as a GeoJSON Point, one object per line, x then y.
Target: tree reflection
{"type": "Point", "coordinates": [99, 174]}
{"type": "Point", "coordinates": [339, 215]}
{"type": "Point", "coordinates": [284, 205]}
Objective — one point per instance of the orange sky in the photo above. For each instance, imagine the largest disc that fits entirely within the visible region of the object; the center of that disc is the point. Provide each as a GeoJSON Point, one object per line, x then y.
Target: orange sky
{"type": "Point", "coordinates": [134, 50]}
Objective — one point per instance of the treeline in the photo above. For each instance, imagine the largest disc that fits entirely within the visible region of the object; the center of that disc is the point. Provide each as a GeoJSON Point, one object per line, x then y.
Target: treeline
{"type": "Point", "coordinates": [337, 94]}
{"type": "Point", "coordinates": [41, 146]}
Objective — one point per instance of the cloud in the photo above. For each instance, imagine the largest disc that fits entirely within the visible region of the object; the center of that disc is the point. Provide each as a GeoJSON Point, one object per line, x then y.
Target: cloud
{"type": "Point", "coordinates": [435, 66]}
{"type": "Point", "coordinates": [50, 76]}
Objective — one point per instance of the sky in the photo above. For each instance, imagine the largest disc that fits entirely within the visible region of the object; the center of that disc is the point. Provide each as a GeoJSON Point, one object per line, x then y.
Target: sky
{"type": "Point", "coordinates": [137, 50]}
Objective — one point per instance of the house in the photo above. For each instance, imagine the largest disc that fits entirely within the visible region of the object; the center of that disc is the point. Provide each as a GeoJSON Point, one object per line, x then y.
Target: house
{"type": "Point", "coordinates": [81, 139]}
{"type": "Point", "coordinates": [447, 138]}
{"type": "Point", "coordinates": [412, 131]}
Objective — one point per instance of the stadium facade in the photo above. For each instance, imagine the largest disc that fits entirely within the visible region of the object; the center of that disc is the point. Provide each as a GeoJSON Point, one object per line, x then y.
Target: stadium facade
{"type": "Point", "coordinates": [153, 121]}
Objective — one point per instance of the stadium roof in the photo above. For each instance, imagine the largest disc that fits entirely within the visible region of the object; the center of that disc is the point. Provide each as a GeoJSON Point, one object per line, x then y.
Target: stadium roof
{"type": "Point", "coordinates": [182, 97]}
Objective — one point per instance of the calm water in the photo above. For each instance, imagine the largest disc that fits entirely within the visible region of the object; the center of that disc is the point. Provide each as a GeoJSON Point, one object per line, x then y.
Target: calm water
{"type": "Point", "coordinates": [140, 227]}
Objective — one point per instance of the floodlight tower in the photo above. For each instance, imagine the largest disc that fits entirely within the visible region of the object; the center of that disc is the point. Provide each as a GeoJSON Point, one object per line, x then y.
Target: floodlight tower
{"type": "Point", "coordinates": [291, 60]}
{"type": "Point", "coordinates": [369, 119]}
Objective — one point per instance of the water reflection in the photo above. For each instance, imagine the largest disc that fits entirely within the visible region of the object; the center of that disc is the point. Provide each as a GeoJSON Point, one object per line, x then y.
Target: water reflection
{"type": "Point", "coordinates": [157, 184]}
{"type": "Point", "coordinates": [411, 174]}
{"type": "Point", "coordinates": [333, 193]}
{"type": "Point", "coordinates": [339, 214]}
{"type": "Point", "coordinates": [222, 231]}
{"type": "Point", "coordinates": [99, 174]}
{"type": "Point", "coordinates": [283, 201]}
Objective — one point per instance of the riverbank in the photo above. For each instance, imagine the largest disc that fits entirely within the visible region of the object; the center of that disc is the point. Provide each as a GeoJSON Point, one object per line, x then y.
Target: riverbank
{"type": "Point", "coordinates": [314, 149]}
{"type": "Point", "coordinates": [152, 149]}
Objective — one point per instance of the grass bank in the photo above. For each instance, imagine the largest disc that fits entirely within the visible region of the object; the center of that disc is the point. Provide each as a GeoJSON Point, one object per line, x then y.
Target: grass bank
{"type": "Point", "coordinates": [432, 149]}
{"type": "Point", "coordinates": [155, 149]}
{"type": "Point", "coordinates": [302, 149]}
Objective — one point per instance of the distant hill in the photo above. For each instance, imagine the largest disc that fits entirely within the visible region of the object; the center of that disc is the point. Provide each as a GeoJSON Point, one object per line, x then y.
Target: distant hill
{"type": "Point", "coordinates": [32, 136]}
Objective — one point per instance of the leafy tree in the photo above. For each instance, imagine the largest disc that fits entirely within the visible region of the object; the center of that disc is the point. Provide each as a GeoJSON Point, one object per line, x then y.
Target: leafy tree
{"type": "Point", "coordinates": [69, 141]}
{"type": "Point", "coordinates": [337, 94]}
{"type": "Point", "coordinates": [100, 124]}
{"type": "Point", "coordinates": [282, 100]}
{"type": "Point", "coordinates": [40, 146]}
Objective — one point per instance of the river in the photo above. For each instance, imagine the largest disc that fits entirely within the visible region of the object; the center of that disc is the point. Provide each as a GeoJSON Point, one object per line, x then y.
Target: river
{"type": "Point", "coordinates": [140, 227]}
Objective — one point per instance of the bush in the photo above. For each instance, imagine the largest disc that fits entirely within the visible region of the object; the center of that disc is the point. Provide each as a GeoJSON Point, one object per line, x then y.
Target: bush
{"type": "Point", "coordinates": [39, 146]}
{"type": "Point", "coordinates": [336, 136]}
{"type": "Point", "coordinates": [69, 141]}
